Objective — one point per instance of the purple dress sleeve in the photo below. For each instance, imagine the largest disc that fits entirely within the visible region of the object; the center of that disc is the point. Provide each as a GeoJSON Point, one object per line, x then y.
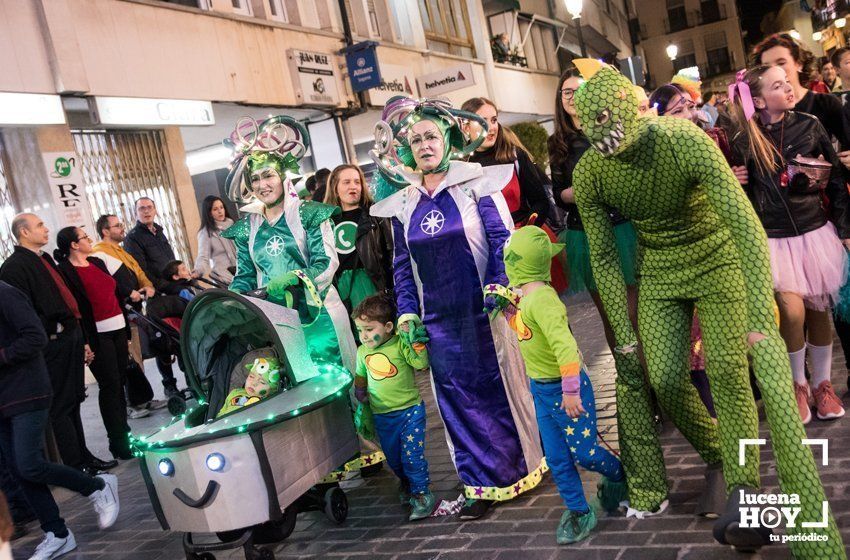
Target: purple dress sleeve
{"type": "Point", "coordinates": [406, 294]}
{"type": "Point", "coordinates": [497, 235]}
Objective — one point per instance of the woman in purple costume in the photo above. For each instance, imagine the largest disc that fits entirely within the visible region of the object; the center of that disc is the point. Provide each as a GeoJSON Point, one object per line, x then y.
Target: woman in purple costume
{"type": "Point", "coordinates": [450, 224]}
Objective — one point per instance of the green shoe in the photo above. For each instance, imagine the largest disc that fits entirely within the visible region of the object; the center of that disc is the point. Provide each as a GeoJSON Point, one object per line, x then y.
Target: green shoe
{"type": "Point", "coordinates": [423, 506]}
{"type": "Point", "coordinates": [611, 493]}
{"type": "Point", "coordinates": [575, 526]}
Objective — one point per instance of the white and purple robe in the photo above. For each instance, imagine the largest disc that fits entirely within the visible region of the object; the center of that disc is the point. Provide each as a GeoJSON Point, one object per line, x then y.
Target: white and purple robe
{"type": "Point", "coordinates": [447, 247]}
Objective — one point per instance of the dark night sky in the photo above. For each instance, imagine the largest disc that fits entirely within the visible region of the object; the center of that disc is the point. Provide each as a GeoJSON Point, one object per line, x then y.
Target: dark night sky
{"type": "Point", "coordinates": [751, 13]}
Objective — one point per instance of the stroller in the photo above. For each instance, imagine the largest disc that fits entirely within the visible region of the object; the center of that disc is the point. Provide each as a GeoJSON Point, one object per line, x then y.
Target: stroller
{"type": "Point", "coordinates": [245, 475]}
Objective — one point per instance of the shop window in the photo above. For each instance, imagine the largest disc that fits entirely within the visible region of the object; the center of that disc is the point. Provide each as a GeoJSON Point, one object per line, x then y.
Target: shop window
{"type": "Point", "coordinates": [446, 24]}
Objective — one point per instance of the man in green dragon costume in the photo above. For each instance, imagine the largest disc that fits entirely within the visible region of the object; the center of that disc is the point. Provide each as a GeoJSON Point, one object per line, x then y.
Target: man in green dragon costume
{"type": "Point", "coordinates": [701, 243]}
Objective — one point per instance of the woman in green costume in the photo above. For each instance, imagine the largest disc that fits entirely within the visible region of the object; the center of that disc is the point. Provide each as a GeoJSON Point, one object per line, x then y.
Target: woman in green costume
{"type": "Point", "coordinates": [285, 244]}
{"type": "Point", "coordinates": [700, 242]}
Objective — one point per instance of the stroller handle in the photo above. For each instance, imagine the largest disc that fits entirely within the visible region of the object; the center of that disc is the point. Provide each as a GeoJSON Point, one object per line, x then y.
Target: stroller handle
{"type": "Point", "coordinates": [263, 293]}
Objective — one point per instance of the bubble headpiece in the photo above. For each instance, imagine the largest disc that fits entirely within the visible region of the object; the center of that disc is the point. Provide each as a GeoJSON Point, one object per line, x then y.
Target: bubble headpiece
{"type": "Point", "coordinates": [392, 148]}
{"type": "Point", "coordinates": [278, 142]}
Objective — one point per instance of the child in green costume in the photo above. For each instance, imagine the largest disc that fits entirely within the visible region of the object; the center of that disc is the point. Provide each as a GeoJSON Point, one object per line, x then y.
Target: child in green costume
{"type": "Point", "coordinates": [384, 380]}
{"type": "Point", "coordinates": [700, 243]}
{"type": "Point", "coordinates": [563, 394]}
{"type": "Point", "coordinates": [263, 381]}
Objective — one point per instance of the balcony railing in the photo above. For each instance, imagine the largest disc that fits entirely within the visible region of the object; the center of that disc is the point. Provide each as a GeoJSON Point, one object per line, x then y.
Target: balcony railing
{"type": "Point", "coordinates": [825, 12]}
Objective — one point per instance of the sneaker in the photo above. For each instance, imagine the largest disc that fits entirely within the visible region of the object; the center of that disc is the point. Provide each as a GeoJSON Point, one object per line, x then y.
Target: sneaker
{"type": "Point", "coordinates": [643, 514]}
{"type": "Point", "coordinates": [804, 402]}
{"type": "Point", "coordinates": [474, 509]}
{"type": "Point", "coordinates": [136, 412]}
{"type": "Point", "coordinates": [155, 404]}
{"type": "Point", "coordinates": [106, 501]}
{"type": "Point", "coordinates": [575, 526]}
{"type": "Point", "coordinates": [423, 506]}
{"type": "Point", "coordinates": [611, 493]}
{"type": "Point", "coordinates": [171, 391]}
{"type": "Point", "coordinates": [54, 547]}
{"type": "Point", "coordinates": [828, 405]}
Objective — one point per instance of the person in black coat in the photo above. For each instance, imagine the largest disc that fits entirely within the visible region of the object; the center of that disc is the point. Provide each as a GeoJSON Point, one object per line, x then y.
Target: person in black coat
{"type": "Point", "coordinates": [147, 242]}
{"type": "Point", "coordinates": [35, 274]}
{"type": "Point", "coordinates": [25, 393]}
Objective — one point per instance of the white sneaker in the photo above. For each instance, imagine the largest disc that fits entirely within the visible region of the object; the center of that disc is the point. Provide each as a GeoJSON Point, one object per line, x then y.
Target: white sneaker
{"type": "Point", "coordinates": [53, 547]}
{"type": "Point", "coordinates": [631, 512]}
{"type": "Point", "coordinates": [134, 413]}
{"type": "Point", "coordinates": [106, 501]}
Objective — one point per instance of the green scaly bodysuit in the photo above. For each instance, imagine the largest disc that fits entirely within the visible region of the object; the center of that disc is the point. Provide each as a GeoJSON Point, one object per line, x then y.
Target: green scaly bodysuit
{"type": "Point", "coordinates": [700, 243]}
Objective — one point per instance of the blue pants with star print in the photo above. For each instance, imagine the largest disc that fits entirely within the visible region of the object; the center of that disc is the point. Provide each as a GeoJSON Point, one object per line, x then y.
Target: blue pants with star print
{"type": "Point", "coordinates": [402, 437]}
{"type": "Point", "coordinates": [568, 442]}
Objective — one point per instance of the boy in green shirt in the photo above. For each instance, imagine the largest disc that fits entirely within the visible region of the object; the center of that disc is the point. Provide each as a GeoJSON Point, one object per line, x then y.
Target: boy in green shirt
{"type": "Point", "coordinates": [563, 395]}
{"type": "Point", "coordinates": [384, 379]}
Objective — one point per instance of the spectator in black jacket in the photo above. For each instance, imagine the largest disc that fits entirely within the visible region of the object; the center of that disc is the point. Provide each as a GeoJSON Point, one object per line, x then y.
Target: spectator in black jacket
{"type": "Point", "coordinates": [147, 242]}
{"type": "Point", "coordinates": [34, 273]}
{"type": "Point", "coordinates": [100, 298]}
{"type": "Point", "coordinates": [24, 403]}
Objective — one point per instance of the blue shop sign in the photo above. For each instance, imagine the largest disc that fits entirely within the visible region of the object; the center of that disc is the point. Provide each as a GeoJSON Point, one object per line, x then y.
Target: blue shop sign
{"type": "Point", "coordinates": [362, 62]}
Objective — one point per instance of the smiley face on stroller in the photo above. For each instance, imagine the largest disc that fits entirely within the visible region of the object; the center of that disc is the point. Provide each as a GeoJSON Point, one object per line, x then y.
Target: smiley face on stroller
{"type": "Point", "coordinates": [257, 466]}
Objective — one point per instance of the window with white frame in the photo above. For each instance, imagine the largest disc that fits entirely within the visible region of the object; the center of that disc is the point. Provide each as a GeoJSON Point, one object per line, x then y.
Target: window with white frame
{"type": "Point", "coordinates": [241, 7]}
{"type": "Point", "coordinates": [276, 10]}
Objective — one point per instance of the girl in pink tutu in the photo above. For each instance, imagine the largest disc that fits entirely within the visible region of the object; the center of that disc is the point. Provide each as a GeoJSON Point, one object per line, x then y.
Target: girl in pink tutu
{"type": "Point", "coordinates": [795, 182]}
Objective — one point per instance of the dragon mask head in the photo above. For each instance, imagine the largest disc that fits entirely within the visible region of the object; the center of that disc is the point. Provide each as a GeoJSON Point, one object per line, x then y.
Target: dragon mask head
{"type": "Point", "coordinates": [607, 107]}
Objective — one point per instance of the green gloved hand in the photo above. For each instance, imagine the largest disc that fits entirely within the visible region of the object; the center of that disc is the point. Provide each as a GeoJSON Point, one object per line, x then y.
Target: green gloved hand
{"type": "Point", "coordinates": [413, 335]}
{"type": "Point", "coordinates": [277, 287]}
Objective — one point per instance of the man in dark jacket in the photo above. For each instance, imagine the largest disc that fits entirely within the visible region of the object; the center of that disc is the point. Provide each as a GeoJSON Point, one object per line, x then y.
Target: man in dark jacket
{"type": "Point", "coordinates": [35, 274]}
{"type": "Point", "coordinates": [147, 242]}
{"type": "Point", "coordinates": [24, 402]}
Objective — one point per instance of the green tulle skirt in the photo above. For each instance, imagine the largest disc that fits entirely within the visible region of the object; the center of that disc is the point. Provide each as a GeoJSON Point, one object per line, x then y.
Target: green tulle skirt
{"type": "Point", "coordinates": [578, 256]}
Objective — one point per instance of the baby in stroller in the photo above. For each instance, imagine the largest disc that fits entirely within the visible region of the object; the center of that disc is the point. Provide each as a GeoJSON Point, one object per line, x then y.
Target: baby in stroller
{"type": "Point", "coordinates": [263, 381]}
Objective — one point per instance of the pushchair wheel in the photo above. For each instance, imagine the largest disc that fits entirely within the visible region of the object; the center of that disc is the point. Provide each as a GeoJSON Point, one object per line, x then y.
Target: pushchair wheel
{"type": "Point", "coordinates": [277, 530]}
{"type": "Point", "coordinates": [336, 505]}
{"type": "Point", "coordinates": [176, 405]}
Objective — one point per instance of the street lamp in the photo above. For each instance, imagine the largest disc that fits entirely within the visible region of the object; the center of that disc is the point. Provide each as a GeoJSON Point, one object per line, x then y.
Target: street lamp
{"type": "Point", "coordinates": [840, 22]}
{"type": "Point", "coordinates": [672, 51]}
{"type": "Point", "coordinates": [817, 35]}
{"type": "Point", "coordinates": [574, 8]}
{"type": "Point", "coordinates": [795, 34]}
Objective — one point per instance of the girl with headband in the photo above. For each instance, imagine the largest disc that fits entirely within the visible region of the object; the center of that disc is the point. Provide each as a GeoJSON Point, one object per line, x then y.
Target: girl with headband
{"type": "Point", "coordinates": [450, 224]}
{"type": "Point", "coordinates": [790, 166]}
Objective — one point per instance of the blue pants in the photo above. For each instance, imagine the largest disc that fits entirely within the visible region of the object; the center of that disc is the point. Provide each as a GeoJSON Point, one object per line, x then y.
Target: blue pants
{"type": "Point", "coordinates": [402, 437]}
{"type": "Point", "coordinates": [568, 442]}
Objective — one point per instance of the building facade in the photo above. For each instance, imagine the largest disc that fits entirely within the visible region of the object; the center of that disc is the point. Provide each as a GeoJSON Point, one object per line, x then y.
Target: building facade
{"type": "Point", "coordinates": [103, 101]}
{"type": "Point", "coordinates": [706, 34]}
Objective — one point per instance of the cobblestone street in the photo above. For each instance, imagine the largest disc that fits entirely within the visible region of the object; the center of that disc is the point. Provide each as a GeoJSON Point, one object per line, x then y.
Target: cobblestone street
{"type": "Point", "coordinates": [523, 529]}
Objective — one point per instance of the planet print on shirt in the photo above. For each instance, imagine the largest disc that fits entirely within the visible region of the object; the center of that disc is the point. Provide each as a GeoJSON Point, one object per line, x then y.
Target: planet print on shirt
{"type": "Point", "coordinates": [380, 367]}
